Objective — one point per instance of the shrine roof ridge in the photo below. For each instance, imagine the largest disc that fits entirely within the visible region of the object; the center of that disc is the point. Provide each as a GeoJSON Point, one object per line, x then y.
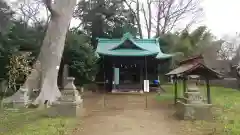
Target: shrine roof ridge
{"type": "Point", "coordinates": [135, 39]}
{"type": "Point", "coordinates": [139, 47]}
{"type": "Point", "coordinates": [127, 36]}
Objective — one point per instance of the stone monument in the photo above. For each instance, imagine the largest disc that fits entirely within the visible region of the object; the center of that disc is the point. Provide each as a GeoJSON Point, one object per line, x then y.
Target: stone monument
{"type": "Point", "coordinates": [29, 91]}
{"type": "Point", "coordinates": [192, 106]}
{"type": "Point", "coordinates": [17, 100]}
{"type": "Point", "coordinates": [70, 104]}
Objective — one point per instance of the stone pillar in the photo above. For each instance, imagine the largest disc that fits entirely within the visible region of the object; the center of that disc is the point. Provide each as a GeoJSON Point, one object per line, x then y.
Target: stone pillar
{"type": "Point", "coordinates": [71, 103]}
{"type": "Point", "coordinates": [193, 107]}
{"type": "Point", "coordinates": [70, 84]}
{"type": "Point", "coordinates": [193, 95]}
{"type": "Point", "coordinates": [65, 75]}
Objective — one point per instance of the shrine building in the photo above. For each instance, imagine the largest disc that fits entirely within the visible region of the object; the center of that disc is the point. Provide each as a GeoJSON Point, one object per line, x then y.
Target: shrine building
{"type": "Point", "coordinates": [128, 63]}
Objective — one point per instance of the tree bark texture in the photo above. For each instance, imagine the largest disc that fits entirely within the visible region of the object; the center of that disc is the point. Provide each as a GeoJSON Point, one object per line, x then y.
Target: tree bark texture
{"type": "Point", "coordinates": [52, 49]}
{"type": "Point", "coordinates": [45, 71]}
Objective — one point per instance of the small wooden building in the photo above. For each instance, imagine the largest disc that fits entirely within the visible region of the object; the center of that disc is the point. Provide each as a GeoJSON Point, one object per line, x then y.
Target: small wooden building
{"type": "Point", "coordinates": [194, 66]}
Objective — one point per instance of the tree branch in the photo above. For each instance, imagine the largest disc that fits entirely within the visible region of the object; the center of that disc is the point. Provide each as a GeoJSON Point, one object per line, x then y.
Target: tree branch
{"type": "Point", "coordinates": [166, 16]}
{"type": "Point", "coordinates": [149, 2]}
{"type": "Point", "coordinates": [135, 15]}
{"type": "Point", "coordinates": [145, 17]}
{"type": "Point", "coordinates": [48, 4]}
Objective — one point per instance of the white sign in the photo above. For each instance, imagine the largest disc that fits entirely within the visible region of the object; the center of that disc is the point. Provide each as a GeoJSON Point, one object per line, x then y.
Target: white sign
{"type": "Point", "coordinates": [146, 86]}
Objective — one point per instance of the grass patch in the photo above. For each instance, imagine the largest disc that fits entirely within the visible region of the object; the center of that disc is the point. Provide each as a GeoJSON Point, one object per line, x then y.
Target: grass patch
{"type": "Point", "coordinates": [33, 122]}
{"type": "Point", "coordinates": [169, 94]}
{"type": "Point", "coordinates": [226, 107]}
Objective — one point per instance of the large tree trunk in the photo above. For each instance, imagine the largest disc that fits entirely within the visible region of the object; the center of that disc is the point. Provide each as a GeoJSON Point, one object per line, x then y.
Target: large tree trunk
{"type": "Point", "coordinates": [45, 71]}
{"type": "Point", "coordinates": [52, 49]}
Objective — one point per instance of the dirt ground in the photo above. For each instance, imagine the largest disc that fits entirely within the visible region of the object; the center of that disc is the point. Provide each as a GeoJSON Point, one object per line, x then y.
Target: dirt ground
{"type": "Point", "coordinates": [125, 114]}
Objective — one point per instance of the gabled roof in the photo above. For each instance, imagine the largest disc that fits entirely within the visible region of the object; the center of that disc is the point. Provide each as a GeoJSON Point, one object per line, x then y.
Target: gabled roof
{"type": "Point", "coordinates": [194, 66]}
{"type": "Point", "coordinates": [145, 47]}
{"type": "Point", "coordinates": [198, 58]}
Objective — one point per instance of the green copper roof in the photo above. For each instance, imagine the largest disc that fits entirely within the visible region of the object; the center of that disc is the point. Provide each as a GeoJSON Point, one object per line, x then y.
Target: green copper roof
{"type": "Point", "coordinates": [143, 47]}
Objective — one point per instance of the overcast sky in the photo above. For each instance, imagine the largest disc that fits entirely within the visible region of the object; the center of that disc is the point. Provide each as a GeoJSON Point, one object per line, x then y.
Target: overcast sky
{"type": "Point", "coordinates": [222, 17]}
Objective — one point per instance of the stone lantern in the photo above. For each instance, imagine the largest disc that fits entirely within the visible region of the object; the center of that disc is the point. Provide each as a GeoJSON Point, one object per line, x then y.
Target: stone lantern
{"type": "Point", "coordinates": [193, 94]}
{"type": "Point", "coordinates": [71, 103]}
{"type": "Point", "coordinates": [193, 106]}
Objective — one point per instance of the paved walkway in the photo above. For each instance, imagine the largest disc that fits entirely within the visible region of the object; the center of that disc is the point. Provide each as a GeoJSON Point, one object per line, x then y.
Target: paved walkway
{"type": "Point", "coordinates": [126, 115]}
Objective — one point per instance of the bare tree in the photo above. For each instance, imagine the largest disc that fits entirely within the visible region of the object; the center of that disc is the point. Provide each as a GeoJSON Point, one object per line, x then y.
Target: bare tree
{"type": "Point", "coordinates": [227, 51]}
{"type": "Point", "coordinates": [234, 42]}
{"type": "Point", "coordinates": [232, 48]}
{"type": "Point", "coordinates": [136, 13]}
{"type": "Point", "coordinates": [171, 12]}
{"type": "Point", "coordinates": [32, 11]}
{"type": "Point", "coordinates": [29, 11]}
{"type": "Point", "coordinates": [161, 16]}
{"type": "Point", "coordinates": [148, 18]}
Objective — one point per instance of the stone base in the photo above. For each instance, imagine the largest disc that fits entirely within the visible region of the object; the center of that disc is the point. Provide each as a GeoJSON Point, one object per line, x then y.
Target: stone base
{"type": "Point", "coordinates": [70, 105]}
{"type": "Point", "coordinates": [65, 110]}
{"type": "Point", "coordinates": [17, 100]}
{"type": "Point", "coordinates": [193, 111]}
{"type": "Point", "coordinates": [114, 91]}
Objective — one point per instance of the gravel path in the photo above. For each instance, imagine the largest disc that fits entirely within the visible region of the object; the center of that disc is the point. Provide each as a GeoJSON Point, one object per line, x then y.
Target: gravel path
{"type": "Point", "coordinates": [126, 115]}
